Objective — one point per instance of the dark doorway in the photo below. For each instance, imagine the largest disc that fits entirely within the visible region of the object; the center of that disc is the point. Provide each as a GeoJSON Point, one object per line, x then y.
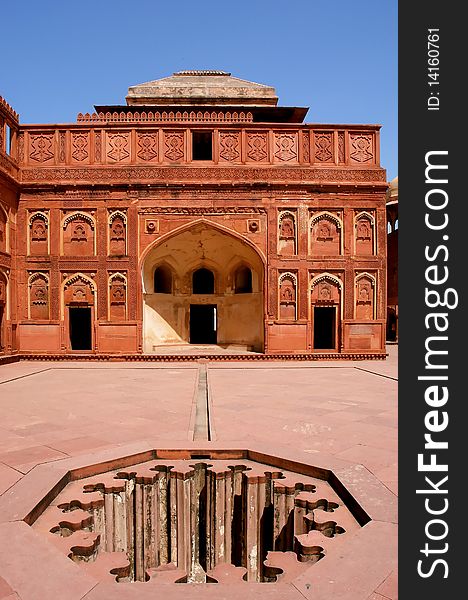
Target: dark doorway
{"type": "Point", "coordinates": [203, 324]}
{"type": "Point", "coordinates": [324, 327]}
{"type": "Point", "coordinates": [203, 281]}
{"type": "Point", "coordinates": [79, 320]}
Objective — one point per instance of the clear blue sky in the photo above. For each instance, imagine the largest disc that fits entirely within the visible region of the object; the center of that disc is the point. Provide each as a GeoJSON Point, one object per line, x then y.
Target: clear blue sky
{"type": "Point", "coordinates": [59, 58]}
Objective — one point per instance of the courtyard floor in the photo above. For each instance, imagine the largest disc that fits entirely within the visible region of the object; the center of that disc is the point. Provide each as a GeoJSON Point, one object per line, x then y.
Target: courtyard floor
{"type": "Point", "coordinates": [53, 411]}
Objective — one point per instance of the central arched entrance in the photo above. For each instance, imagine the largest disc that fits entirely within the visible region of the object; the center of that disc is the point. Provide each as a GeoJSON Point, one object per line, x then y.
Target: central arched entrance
{"type": "Point", "coordinates": [203, 285]}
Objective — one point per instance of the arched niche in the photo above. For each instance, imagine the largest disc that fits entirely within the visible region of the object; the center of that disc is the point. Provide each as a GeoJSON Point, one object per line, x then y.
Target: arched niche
{"type": "Point", "coordinates": [364, 234]}
{"type": "Point", "coordinates": [117, 297]}
{"type": "Point", "coordinates": [162, 280]}
{"type": "Point", "coordinates": [287, 296]}
{"type": "Point", "coordinates": [287, 233]}
{"type": "Point", "coordinates": [117, 233]}
{"type": "Point", "coordinates": [38, 288]}
{"type": "Point", "coordinates": [78, 234]}
{"type": "Point", "coordinates": [365, 297]}
{"type": "Point", "coordinates": [38, 233]}
{"type": "Point", "coordinates": [203, 281]}
{"type": "Point", "coordinates": [326, 237]}
{"type": "Point", "coordinates": [243, 280]}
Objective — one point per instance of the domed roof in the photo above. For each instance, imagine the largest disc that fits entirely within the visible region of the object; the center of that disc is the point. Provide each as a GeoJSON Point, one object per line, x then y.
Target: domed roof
{"type": "Point", "coordinates": [392, 192]}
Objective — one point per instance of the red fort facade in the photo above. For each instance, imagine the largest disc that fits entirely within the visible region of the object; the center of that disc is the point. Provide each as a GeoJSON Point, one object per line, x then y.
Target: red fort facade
{"type": "Point", "coordinates": [201, 212]}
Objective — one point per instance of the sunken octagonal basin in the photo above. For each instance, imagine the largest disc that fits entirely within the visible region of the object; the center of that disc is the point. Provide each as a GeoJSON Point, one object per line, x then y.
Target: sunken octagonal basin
{"type": "Point", "coordinates": [211, 515]}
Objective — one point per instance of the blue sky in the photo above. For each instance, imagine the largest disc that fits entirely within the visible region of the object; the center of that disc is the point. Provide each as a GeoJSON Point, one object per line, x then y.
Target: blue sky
{"type": "Point", "coordinates": [59, 58]}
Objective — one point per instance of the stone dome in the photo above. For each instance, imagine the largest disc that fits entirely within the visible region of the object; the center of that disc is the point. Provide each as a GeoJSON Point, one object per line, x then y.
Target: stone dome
{"type": "Point", "coordinates": [392, 192]}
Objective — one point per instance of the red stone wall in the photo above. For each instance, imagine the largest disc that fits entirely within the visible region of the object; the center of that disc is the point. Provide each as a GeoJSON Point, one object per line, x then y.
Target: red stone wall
{"type": "Point", "coordinates": [83, 204]}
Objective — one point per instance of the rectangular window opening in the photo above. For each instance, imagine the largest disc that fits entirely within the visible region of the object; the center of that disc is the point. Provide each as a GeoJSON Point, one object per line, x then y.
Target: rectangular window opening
{"type": "Point", "coordinates": [202, 145]}
{"type": "Point", "coordinates": [8, 139]}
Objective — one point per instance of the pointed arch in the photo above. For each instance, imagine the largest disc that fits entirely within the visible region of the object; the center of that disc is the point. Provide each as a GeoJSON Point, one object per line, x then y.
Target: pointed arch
{"type": "Point", "coordinates": [81, 281]}
{"type": "Point", "coordinates": [193, 224]}
{"type": "Point", "coordinates": [203, 248]}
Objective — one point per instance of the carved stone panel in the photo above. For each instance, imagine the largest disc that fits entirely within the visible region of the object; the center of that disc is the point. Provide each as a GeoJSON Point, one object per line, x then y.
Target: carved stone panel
{"type": "Point", "coordinates": [174, 146]}
{"type": "Point", "coordinates": [41, 147]}
{"type": "Point", "coordinates": [118, 147]}
{"type": "Point", "coordinates": [147, 150]}
{"type": "Point", "coordinates": [285, 147]}
{"type": "Point", "coordinates": [257, 147]}
{"type": "Point", "coordinates": [38, 297]}
{"type": "Point", "coordinates": [361, 148]}
{"type": "Point", "coordinates": [341, 147]}
{"type": "Point", "coordinates": [323, 147]}
{"type": "Point", "coordinates": [306, 146]}
{"type": "Point", "coordinates": [229, 146]}
{"type": "Point", "coordinates": [80, 147]}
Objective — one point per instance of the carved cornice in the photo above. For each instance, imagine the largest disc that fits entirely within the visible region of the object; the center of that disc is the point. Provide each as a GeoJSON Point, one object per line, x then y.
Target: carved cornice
{"type": "Point", "coordinates": [220, 175]}
{"type": "Point", "coordinates": [201, 210]}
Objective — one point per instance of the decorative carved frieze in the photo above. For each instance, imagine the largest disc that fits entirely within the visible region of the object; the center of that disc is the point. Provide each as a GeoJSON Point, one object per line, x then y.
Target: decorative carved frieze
{"type": "Point", "coordinates": [158, 174]}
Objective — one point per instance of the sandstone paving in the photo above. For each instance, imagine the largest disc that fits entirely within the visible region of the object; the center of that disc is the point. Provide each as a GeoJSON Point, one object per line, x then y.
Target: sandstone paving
{"type": "Point", "coordinates": [346, 410]}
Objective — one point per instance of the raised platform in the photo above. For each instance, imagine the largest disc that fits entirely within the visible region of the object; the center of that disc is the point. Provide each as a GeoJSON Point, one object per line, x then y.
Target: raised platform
{"type": "Point", "coordinates": [190, 357]}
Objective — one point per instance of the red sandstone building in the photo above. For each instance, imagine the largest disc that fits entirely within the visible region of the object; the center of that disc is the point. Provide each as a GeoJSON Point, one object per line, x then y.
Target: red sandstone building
{"type": "Point", "coordinates": [200, 212]}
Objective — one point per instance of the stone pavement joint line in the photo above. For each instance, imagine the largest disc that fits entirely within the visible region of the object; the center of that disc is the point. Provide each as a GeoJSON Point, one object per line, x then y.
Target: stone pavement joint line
{"type": "Point", "coordinates": [202, 418]}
